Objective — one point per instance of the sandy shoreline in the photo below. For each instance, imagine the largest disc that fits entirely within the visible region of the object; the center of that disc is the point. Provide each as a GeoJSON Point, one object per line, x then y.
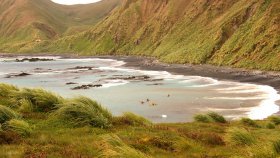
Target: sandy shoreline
{"type": "Point", "coordinates": [219, 73]}
{"type": "Point", "coordinates": [271, 78]}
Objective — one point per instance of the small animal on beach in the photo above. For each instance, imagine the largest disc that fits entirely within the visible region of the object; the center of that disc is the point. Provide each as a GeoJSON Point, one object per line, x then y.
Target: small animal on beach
{"type": "Point", "coordinates": [142, 102]}
{"type": "Point", "coordinates": [168, 95]}
{"type": "Point", "coordinates": [148, 100]}
{"type": "Point", "coordinates": [153, 104]}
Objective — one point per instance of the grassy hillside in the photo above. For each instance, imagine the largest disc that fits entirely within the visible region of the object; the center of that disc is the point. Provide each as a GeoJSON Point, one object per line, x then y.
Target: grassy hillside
{"type": "Point", "coordinates": [25, 23]}
{"type": "Point", "coordinates": [37, 123]}
{"type": "Point", "coordinates": [239, 33]}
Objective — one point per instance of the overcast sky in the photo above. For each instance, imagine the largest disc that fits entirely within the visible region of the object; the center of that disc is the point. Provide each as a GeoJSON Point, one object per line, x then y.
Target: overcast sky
{"type": "Point", "coordinates": [71, 2]}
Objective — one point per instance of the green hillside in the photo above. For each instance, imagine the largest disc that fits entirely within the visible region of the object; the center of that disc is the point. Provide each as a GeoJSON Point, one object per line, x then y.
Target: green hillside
{"type": "Point", "coordinates": [25, 23]}
{"type": "Point", "coordinates": [239, 33]}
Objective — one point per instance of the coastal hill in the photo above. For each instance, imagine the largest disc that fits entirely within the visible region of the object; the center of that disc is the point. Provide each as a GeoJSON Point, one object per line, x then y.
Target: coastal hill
{"type": "Point", "coordinates": [238, 33]}
{"type": "Point", "coordinates": [25, 22]}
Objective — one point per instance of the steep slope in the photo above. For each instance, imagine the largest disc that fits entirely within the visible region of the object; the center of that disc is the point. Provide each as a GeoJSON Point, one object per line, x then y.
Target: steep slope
{"type": "Point", "coordinates": [24, 22]}
{"type": "Point", "coordinates": [241, 33]}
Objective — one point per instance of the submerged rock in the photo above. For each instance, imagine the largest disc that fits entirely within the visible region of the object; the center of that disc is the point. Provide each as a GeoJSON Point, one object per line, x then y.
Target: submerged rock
{"type": "Point", "coordinates": [81, 67]}
{"type": "Point", "coordinates": [88, 86]}
{"type": "Point", "coordinates": [131, 78]}
{"type": "Point", "coordinates": [71, 83]}
{"type": "Point", "coordinates": [155, 84]}
{"type": "Point", "coordinates": [17, 75]}
{"type": "Point", "coordinates": [33, 59]}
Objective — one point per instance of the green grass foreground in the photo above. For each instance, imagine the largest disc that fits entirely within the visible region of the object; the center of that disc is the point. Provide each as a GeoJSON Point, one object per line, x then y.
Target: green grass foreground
{"type": "Point", "coordinates": [37, 123]}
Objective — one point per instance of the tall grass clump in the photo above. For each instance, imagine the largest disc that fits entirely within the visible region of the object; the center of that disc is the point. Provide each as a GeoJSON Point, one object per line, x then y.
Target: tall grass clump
{"type": "Point", "coordinates": [132, 119]}
{"type": "Point", "coordinates": [270, 125]}
{"type": "Point", "coordinates": [7, 114]}
{"type": "Point", "coordinates": [26, 106]}
{"type": "Point", "coordinates": [239, 136]}
{"type": "Point", "coordinates": [81, 112]}
{"type": "Point", "coordinates": [40, 100]}
{"type": "Point", "coordinates": [274, 119]}
{"type": "Point", "coordinates": [210, 117]}
{"type": "Point", "coordinates": [276, 146]}
{"type": "Point", "coordinates": [216, 117]}
{"type": "Point", "coordinates": [202, 118]}
{"type": "Point", "coordinates": [249, 122]}
{"type": "Point", "coordinates": [18, 126]}
{"type": "Point", "coordinates": [6, 93]}
{"type": "Point", "coordinates": [113, 146]}
{"type": "Point", "coordinates": [6, 90]}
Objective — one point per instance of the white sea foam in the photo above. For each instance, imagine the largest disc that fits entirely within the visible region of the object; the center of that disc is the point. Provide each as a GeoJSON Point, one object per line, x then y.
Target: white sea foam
{"type": "Point", "coordinates": [166, 76]}
{"type": "Point", "coordinates": [2, 73]}
{"type": "Point", "coordinates": [243, 91]}
{"type": "Point", "coordinates": [244, 109]}
{"type": "Point", "coordinates": [235, 86]}
{"type": "Point", "coordinates": [269, 95]}
{"type": "Point", "coordinates": [207, 82]}
{"type": "Point", "coordinates": [114, 83]}
{"type": "Point", "coordinates": [268, 106]}
{"type": "Point", "coordinates": [264, 96]}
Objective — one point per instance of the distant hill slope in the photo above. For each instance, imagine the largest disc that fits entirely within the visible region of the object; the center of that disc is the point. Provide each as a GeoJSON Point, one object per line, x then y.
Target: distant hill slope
{"type": "Point", "coordinates": [239, 33]}
{"type": "Point", "coordinates": [25, 21]}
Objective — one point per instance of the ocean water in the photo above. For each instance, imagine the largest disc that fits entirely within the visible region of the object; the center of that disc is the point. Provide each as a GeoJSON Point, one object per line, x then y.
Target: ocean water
{"type": "Point", "coordinates": [157, 95]}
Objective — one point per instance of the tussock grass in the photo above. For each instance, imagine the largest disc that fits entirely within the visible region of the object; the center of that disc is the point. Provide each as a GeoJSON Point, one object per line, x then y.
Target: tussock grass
{"type": "Point", "coordinates": [6, 93]}
{"type": "Point", "coordinates": [131, 135]}
{"type": "Point", "coordinates": [6, 89]}
{"type": "Point", "coordinates": [18, 126]}
{"type": "Point", "coordinates": [7, 114]}
{"type": "Point", "coordinates": [216, 117]}
{"type": "Point", "coordinates": [239, 136]}
{"type": "Point", "coordinates": [202, 118]}
{"type": "Point", "coordinates": [249, 122]}
{"type": "Point", "coordinates": [35, 100]}
{"type": "Point", "coordinates": [210, 117]}
{"type": "Point", "coordinates": [26, 106]}
{"type": "Point", "coordinates": [115, 148]}
{"type": "Point", "coordinates": [270, 125]}
{"type": "Point", "coordinates": [274, 119]}
{"type": "Point", "coordinates": [276, 146]}
{"type": "Point", "coordinates": [129, 118]}
{"type": "Point", "coordinates": [41, 100]}
{"type": "Point", "coordinates": [82, 111]}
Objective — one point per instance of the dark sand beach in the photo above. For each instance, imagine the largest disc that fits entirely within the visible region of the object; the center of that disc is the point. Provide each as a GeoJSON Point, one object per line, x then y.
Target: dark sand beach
{"type": "Point", "coordinates": [271, 78]}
